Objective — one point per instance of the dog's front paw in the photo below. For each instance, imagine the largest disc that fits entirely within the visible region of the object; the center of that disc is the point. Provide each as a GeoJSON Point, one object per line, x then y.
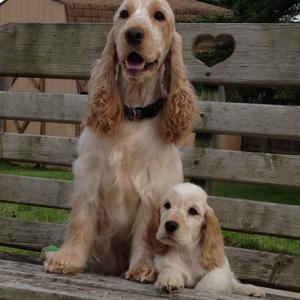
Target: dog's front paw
{"type": "Point", "coordinates": [169, 284]}
{"type": "Point", "coordinates": [143, 274]}
{"type": "Point", "coordinates": [64, 261]}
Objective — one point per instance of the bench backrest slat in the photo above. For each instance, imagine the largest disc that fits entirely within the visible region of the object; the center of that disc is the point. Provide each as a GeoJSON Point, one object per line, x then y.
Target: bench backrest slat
{"type": "Point", "coordinates": [198, 163]}
{"type": "Point", "coordinates": [249, 216]}
{"type": "Point", "coordinates": [274, 121]}
{"type": "Point", "coordinates": [68, 50]}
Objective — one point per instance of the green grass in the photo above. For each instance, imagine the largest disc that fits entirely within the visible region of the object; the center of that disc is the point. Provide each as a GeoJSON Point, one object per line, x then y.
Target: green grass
{"type": "Point", "coordinates": [233, 190]}
{"type": "Point", "coordinates": [259, 193]}
{"type": "Point", "coordinates": [9, 168]}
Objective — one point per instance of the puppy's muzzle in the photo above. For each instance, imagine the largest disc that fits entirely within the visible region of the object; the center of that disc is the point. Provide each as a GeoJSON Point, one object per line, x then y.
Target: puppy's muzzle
{"type": "Point", "coordinates": [171, 226]}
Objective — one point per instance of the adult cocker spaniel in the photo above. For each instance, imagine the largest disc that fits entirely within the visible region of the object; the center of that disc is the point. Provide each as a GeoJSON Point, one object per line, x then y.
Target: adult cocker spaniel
{"type": "Point", "coordinates": [140, 104]}
{"type": "Point", "coordinates": [193, 253]}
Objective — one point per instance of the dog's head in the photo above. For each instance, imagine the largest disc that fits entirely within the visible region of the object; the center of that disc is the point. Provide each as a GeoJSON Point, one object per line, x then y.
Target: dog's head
{"type": "Point", "coordinates": [143, 33]}
{"type": "Point", "coordinates": [187, 221]}
{"type": "Point", "coordinates": [143, 43]}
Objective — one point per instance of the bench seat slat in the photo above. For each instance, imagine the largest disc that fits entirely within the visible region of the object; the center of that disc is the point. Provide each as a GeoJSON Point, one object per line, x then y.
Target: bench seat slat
{"type": "Point", "coordinates": [68, 50]}
{"type": "Point", "coordinates": [225, 118]}
{"type": "Point", "coordinates": [198, 163]}
{"type": "Point", "coordinates": [255, 266]}
{"type": "Point", "coordinates": [249, 216]}
{"type": "Point", "coordinates": [27, 281]}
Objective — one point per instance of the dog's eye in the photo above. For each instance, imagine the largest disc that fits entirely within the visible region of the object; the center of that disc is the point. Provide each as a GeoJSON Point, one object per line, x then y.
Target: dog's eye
{"type": "Point", "coordinates": [159, 16]}
{"type": "Point", "coordinates": [124, 14]}
{"type": "Point", "coordinates": [193, 211]}
{"type": "Point", "coordinates": [167, 205]}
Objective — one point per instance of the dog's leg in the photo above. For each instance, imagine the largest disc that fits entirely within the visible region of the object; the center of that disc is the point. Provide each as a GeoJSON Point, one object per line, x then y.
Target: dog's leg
{"type": "Point", "coordinates": [73, 255]}
{"type": "Point", "coordinates": [141, 268]}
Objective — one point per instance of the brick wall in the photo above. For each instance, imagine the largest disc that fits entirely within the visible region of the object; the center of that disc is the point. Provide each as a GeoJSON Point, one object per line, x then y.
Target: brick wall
{"type": "Point", "coordinates": [96, 13]}
{"type": "Point", "coordinates": [87, 13]}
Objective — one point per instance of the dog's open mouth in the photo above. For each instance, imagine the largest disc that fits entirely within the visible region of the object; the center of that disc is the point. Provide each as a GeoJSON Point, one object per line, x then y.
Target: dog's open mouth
{"type": "Point", "coordinates": [135, 63]}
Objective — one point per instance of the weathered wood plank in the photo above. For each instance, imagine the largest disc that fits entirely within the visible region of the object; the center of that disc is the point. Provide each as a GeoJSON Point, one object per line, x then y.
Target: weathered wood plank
{"type": "Point", "coordinates": [236, 166]}
{"type": "Point", "coordinates": [270, 121]}
{"type": "Point", "coordinates": [36, 148]}
{"type": "Point", "coordinates": [257, 217]}
{"type": "Point", "coordinates": [60, 108]}
{"type": "Point", "coordinates": [35, 191]}
{"type": "Point", "coordinates": [224, 118]}
{"type": "Point", "coordinates": [67, 51]}
{"type": "Point", "coordinates": [269, 269]}
{"type": "Point", "coordinates": [21, 280]}
{"type": "Point", "coordinates": [199, 163]}
{"type": "Point", "coordinates": [250, 216]}
{"type": "Point", "coordinates": [30, 235]}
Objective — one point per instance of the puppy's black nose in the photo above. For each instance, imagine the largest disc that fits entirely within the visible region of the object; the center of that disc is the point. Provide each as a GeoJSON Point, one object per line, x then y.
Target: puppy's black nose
{"type": "Point", "coordinates": [134, 36]}
{"type": "Point", "coordinates": [171, 226]}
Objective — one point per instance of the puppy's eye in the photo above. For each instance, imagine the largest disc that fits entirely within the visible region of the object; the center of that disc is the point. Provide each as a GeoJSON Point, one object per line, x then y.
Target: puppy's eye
{"type": "Point", "coordinates": [159, 16]}
{"type": "Point", "coordinates": [167, 205]}
{"type": "Point", "coordinates": [124, 14]}
{"type": "Point", "coordinates": [193, 211]}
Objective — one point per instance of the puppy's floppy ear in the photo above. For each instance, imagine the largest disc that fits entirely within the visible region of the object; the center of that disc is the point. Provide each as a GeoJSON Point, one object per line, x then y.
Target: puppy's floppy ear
{"type": "Point", "coordinates": [212, 244]}
{"type": "Point", "coordinates": [104, 108]}
{"type": "Point", "coordinates": [180, 109]}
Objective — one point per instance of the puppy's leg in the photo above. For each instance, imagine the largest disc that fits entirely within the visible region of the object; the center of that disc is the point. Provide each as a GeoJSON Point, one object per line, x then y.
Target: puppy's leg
{"type": "Point", "coordinates": [141, 267]}
{"type": "Point", "coordinates": [247, 289]}
{"type": "Point", "coordinates": [169, 280]}
{"type": "Point", "coordinates": [218, 280]}
{"type": "Point", "coordinates": [74, 253]}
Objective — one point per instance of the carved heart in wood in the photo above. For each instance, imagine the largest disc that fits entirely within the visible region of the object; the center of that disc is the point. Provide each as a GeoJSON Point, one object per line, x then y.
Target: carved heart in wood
{"type": "Point", "coordinates": [213, 50]}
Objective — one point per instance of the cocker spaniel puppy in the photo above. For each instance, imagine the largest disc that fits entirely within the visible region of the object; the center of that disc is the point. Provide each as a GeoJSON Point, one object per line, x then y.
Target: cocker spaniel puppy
{"type": "Point", "coordinates": [193, 255]}
{"type": "Point", "coordinates": [140, 104]}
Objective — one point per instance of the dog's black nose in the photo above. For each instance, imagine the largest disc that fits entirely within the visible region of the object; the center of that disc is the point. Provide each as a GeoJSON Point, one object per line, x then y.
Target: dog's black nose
{"type": "Point", "coordinates": [134, 36]}
{"type": "Point", "coordinates": [171, 226]}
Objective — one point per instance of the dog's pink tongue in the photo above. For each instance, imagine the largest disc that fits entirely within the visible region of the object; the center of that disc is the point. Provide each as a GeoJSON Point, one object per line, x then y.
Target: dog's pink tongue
{"type": "Point", "coordinates": [135, 67]}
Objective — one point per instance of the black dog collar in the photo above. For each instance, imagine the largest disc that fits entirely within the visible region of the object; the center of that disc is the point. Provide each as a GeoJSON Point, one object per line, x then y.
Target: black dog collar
{"type": "Point", "coordinates": [149, 111]}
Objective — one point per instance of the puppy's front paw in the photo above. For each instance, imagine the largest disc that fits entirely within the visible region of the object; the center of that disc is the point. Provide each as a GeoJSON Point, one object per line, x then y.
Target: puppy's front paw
{"type": "Point", "coordinates": [249, 290]}
{"type": "Point", "coordinates": [169, 284]}
{"type": "Point", "coordinates": [143, 274]}
{"type": "Point", "coordinates": [64, 261]}
{"type": "Point", "coordinates": [254, 291]}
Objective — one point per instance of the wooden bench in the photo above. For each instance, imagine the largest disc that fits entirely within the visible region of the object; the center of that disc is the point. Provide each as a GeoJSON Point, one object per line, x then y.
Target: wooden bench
{"type": "Point", "coordinates": [264, 55]}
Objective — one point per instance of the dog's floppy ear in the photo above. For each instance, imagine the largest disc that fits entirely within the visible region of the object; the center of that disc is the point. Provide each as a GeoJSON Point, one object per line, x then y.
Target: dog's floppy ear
{"type": "Point", "coordinates": [180, 109]}
{"type": "Point", "coordinates": [104, 108]}
{"type": "Point", "coordinates": [212, 244]}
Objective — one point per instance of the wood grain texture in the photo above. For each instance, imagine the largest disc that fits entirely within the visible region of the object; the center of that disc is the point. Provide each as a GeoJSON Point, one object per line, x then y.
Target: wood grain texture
{"type": "Point", "coordinates": [35, 191]}
{"type": "Point", "coordinates": [249, 216]}
{"type": "Point", "coordinates": [270, 269]}
{"type": "Point", "coordinates": [36, 148]}
{"type": "Point", "coordinates": [236, 166]}
{"type": "Point", "coordinates": [274, 121]}
{"type": "Point", "coordinates": [67, 51]}
{"type": "Point", "coordinates": [46, 107]}
{"type": "Point", "coordinates": [198, 163]}
{"type": "Point", "coordinates": [21, 281]}
{"type": "Point", "coordinates": [257, 217]}
{"type": "Point", "coordinates": [30, 235]}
